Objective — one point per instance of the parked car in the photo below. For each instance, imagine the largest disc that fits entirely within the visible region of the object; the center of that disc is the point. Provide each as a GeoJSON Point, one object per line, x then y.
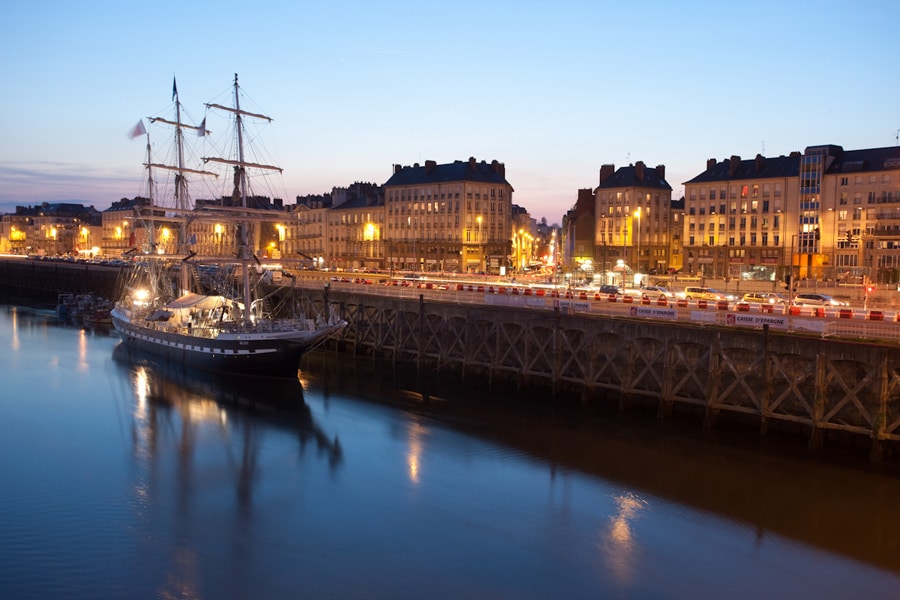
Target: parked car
{"type": "Point", "coordinates": [705, 293]}
{"type": "Point", "coordinates": [764, 298]}
{"type": "Point", "coordinates": [609, 289]}
{"type": "Point", "coordinates": [805, 299]}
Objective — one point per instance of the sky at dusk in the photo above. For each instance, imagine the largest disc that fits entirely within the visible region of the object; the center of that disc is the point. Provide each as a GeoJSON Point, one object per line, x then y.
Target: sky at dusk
{"type": "Point", "coordinates": [553, 90]}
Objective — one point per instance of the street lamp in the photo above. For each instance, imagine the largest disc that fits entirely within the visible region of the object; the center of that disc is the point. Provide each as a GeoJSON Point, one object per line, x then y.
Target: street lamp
{"type": "Point", "coordinates": [369, 235]}
{"type": "Point", "coordinates": [280, 228]}
{"type": "Point", "coordinates": [519, 254]}
{"type": "Point", "coordinates": [790, 276]}
{"type": "Point", "coordinates": [779, 216]}
{"type": "Point", "coordinates": [637, 237]}
{"type": "Point", "coordinates": [480, 249]}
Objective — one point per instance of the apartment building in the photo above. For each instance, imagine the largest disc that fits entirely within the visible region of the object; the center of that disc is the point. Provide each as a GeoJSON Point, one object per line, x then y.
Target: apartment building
{"type": "Point", "coordinates": [451, 217]}
{"type": "Point", "coordinates": [633, 217]}
{"type": "Point", "coordinates": [826, 213]}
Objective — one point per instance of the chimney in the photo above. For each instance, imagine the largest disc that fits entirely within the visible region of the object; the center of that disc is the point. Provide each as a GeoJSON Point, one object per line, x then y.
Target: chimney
{"type": "Point", "coordinates": [472, 162]}
{"type": "Point", "coordinates": [760, 160]}
{"type": "Point", "coordinates": [733, 165]}
{"type": "Point", "coordinates": [429, 166]}
{"type": "Point", "coordinates": [606, 171]}
{"type": "Point", "coordinates": [639, 171]}
{"type": "Point", "coordinates": [397, 169]}
{"type": "Point", "coordinates": [499, 168]}
{"type": "Point", "coordinates": [710, 163]}
{"type": "Point", "coordinates": [661, 171]}
{"type": "Point", "coordinates": [585, 202]}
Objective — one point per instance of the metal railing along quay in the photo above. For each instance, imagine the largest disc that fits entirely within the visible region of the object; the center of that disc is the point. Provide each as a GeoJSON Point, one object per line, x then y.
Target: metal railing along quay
{"type": "Point", "coordinates": [845, 322]}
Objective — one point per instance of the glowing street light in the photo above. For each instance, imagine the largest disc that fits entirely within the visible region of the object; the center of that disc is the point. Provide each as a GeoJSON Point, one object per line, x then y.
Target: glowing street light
{"type": "Point", "coordinates": [637, 240]}
{"type": "Point", "coordinates": [480, 250]}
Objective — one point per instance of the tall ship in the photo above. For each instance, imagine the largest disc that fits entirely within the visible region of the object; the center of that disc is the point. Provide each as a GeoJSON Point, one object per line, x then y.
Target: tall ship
{"type": "Point", "coordinates": [222, 312]}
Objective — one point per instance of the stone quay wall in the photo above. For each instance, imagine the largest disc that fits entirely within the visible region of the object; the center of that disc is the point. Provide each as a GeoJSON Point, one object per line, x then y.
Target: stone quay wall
{"type": "Point", "coordinates": [769, 378]}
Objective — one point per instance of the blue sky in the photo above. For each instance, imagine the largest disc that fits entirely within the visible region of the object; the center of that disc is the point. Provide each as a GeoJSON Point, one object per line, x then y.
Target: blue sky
{"type": "Point", "coordinates": [552, 89]}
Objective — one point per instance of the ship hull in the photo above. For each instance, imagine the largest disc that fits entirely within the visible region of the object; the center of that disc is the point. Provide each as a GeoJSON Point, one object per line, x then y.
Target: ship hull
{"type": "Point", "coordinates": [250, 354]}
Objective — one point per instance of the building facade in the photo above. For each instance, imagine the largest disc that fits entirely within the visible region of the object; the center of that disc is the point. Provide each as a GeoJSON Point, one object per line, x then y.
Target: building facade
{"type": "Point", "coordinates": [738, 214]}
{"type": "Point", "coordinates": [52, 229]}
{"type": "Point", "coordinates": [826, 214]}
{"type": "Point", "coordinates": [355, 225]}
{"type": "Point", "coordinates": [452, 217]}
{"type": "Point", "coordinates": [633, 217]}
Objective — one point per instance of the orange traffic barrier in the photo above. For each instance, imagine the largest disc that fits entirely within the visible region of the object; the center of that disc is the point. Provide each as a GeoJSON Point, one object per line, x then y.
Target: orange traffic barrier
{"type": "Point", "coordinates": [794, 311]}
{"type": "Point", "coordinates": [845, 313]}
{"type": "Point", "coordinates": [701, 303]}
{"type": "Point", "coordinates": [876, 315]}
{"type": "Point", "coordinates": [743, 307]}
{"type": "Point", "coordinates": [820, 311]}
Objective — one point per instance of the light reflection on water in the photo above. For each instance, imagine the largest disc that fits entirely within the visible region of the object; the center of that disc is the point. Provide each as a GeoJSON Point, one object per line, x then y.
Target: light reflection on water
{"type": "Point", "coordinates": [128, 478]}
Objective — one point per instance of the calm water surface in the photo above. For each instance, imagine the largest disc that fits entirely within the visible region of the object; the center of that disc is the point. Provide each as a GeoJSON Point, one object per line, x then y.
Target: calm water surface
{"type": "Point", "coordinates": [126, 479]}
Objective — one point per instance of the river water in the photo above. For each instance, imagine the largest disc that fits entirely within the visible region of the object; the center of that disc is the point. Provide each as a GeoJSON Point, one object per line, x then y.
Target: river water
{"type": "Point", "coordinates": [122, 478]}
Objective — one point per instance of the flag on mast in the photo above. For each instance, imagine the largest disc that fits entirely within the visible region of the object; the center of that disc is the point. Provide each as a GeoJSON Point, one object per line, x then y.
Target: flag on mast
{"type": "Point", "coordinates": [201, 131]}
{"type": "Point", "coordinates": [174, 89]}
{"type": "Point", "coordinates": [138, 130]}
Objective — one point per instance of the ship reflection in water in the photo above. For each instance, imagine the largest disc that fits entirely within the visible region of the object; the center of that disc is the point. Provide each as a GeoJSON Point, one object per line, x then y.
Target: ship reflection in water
{"type": "Point", "coordinates": [169, 399]}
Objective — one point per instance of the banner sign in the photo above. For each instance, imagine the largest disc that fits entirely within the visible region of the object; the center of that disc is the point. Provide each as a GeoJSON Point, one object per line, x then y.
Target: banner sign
{"type": "Point", "coordinates": [756, 320]}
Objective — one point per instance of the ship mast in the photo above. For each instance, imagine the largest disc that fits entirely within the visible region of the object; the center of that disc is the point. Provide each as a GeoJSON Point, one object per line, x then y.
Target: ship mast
{"type": "Point", "coordinates": [245, 254]}
{"type": "Point", "coordinates": [182, 197]}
